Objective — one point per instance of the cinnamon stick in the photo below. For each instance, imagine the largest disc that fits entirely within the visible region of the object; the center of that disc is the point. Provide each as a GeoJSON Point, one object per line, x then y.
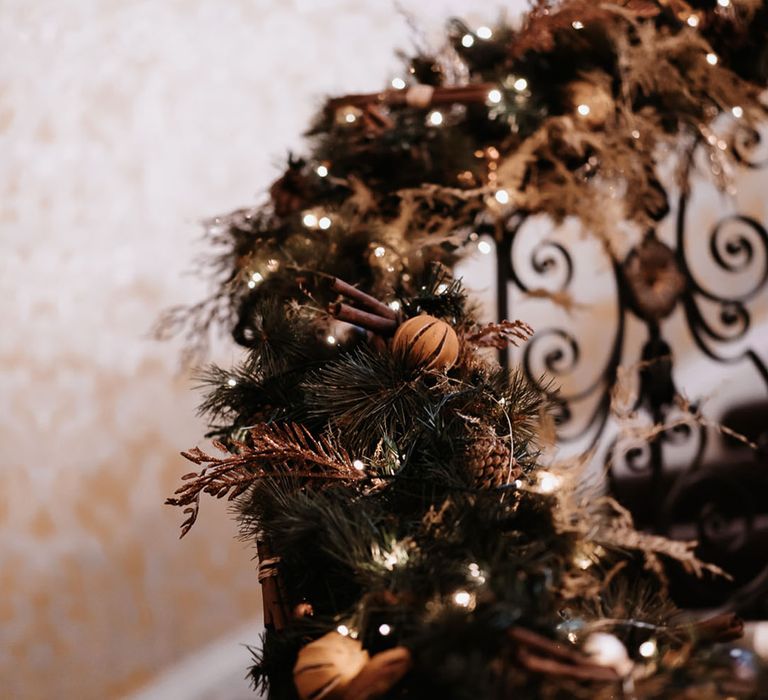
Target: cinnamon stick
{"type": "Point", "coordinates": [363, 319]}
{"type": "Point", "coordinates": [582, 672]}
{"type": "Point", "coordinates": [725, 627]}
{"type": "Point", "coordinates": [366, 300]}
{"type": "Point", "coordinates": [273, 595]}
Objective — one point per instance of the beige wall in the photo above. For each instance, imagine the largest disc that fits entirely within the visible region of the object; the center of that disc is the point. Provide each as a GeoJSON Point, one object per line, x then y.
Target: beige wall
{"type": "Point", "coordinates": [121, 124]}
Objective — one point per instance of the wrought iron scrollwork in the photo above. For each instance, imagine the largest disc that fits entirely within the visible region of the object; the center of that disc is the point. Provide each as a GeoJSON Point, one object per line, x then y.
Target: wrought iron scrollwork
{"type": "Point", "coordinates": [716, 506]}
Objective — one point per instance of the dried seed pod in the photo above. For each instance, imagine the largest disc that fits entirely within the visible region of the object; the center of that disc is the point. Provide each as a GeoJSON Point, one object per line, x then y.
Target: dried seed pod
{"type": "Point", "coordinates": [427, 342]}
{"type": "Point", "coordinates": [325, 667]}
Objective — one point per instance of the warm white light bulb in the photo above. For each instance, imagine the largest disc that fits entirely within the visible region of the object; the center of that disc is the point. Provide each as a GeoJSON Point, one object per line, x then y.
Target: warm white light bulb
{"type": "Point", "coordinates": [331, 340]}
{"type": "Point", "coordinates": [321, 170]}
{"type": "Point", "coordinates": [548, 482]}
{"type": "Point", "coordinates": [484, 247]}
{"type": "Point", "coordinates": [379, 251]}
{"type": "Point", "coordinates": [442, 288]}
{"type": "Point", "coordinates": [349, 117]}
{"type": "Point", "coordinates": [647, 649]}
{"type": "Point", "coordinates": [737, 112]}
{"type": "Point", "coordinates": [232, 381]}
{"type": "Point", "coordinates": [257, 277]}
{"type": "Point", "coordinates": [520, 84]}
{"type": "Point", "coordinates": [502, 196]}
{"type": "Point", "coordinates": [435, 118]}
{"type": "Point", "coordinates": [398, 83]}
{"type": "Point", "coordinates": [462, 598]}
{"type": "Point", "coordinates": [494, 96]}
{"type": "Point", "coordinates": [324, 223]}
{"type": "Point", "coordinates": [343, 630]}
{"type": "Point", "coordinates": [712, 59]}
{"type": "Point", "coordinates": [384, 629]}
{"type": "Point", "coordinates": [577, 24]}
{"type": "Point", "coordinates": [310, 220]}
{"type": "Point", "coordinates": [358, 464]}
{"type": "Point", "coordinates": [583, 110]}
{"type": "Point", "coordinates": [693, 20]}
{"type": "Point", "coordinates": [467, 40]}
{"type": "Point", "coordinates": [484, 32]}
{"type": "Point", "coordinates": [394, 305]}
{"type": "Point", "coordinates": [724, 3]}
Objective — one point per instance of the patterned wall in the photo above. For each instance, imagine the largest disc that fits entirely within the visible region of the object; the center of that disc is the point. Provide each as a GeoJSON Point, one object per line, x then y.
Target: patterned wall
{"type": "Point", "coordinates": [121, 125]}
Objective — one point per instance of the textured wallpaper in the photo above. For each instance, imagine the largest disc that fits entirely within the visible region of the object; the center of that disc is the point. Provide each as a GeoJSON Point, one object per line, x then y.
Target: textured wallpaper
{"type": "Point", "coordinates": [122, 123]}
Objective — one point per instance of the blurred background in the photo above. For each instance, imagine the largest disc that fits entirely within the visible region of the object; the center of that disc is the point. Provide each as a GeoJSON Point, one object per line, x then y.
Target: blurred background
{"type": "Point", "coordinates": [122, 125]}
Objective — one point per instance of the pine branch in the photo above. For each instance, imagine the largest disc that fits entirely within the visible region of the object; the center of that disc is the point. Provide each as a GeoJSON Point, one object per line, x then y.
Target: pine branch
{"type": "Point", "coordinates": [500, 335]}
{"type": "Point", "coordinates": [287, 451]}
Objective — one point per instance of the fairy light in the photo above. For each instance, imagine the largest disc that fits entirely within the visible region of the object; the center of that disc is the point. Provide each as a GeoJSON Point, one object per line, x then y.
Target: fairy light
{"type": "Point", "coordinates": [394, 305]}
{"type": "Point", "coordinates": [712, 59]}
{"type": "Point", "coordinates": [737, 112]}
{"type": "Point", "coordinates": [494, 96]}
{"type": "Point", "coordinates": [692, 21]}
{"type": "Point", "coordinates": [384, 630]}
{"type": "Point", "coordinates": [321, 170]}
{"type": "Point", "coordinates": [442, 288]}
{"type": "Point", "coordinates": [350, 117]}
{"type": "Point", "coordinates": [577, 24]}
{"type": "Point", "coordinates": [467, 40]}
{"type": "Point", "coordinates": [358, 464]}
{"type": "Point", "coordinates": [331, 340]}
{"type": "Point", "coordinates": [635, 134]}
{"type": "Point", "coordinates": [251, 284]}
{"type": "Point", "coordinates": [484, 247]}
{"type": "Point", "coordinates": [583, 110]}
{"type": "Point", "coordinates": [398, 83]}
{"type": "Point", "coordinates": [379, 251]}
{"type": "Point", "coordinates": [343, 630]}
{"type": "Point", "coordinates": [309, 220]}
{"type": "Point", "coordinates": [484, 32]}
{"type": "Point", "coordinates": [231, 382]}
{"type": "Point", "coordinates": [724, 3]}
{"type": "Point", "coordinates": [502, 196]}
{"type": "Point", "coordinates": [648, 649]}
{"type": "Point", "coordinates": [435, 118]}
{"type": "Point", "coordinates": [548, 482]}
{"type": "Point", "coordinates": [582, 561]}
{"type": "Point", "coordinates": [520, 84]}
{"type": "Point", "coordinates": [324, 223]}
{"type": "Point", "coordinates": [462, 598]}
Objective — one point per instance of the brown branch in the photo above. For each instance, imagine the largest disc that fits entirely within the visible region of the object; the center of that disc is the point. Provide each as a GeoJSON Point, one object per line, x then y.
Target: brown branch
{"type": "Point", "coordinates": [464, 94]}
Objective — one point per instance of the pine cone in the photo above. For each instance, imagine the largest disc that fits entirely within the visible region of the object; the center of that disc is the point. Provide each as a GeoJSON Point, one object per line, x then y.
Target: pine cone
{"type": "Point", "coordinates": [488, 461]}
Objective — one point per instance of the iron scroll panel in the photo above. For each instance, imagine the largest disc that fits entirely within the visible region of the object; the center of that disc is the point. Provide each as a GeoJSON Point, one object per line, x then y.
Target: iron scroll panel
{"type": "Point", "coordinates": [721, 503]}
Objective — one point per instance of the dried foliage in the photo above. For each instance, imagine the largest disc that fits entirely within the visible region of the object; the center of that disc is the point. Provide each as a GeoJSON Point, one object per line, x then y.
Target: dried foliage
{"type": "Point", "coordinates": [275, 451]}
{"type": "Point", "coordinates": [500, 335]}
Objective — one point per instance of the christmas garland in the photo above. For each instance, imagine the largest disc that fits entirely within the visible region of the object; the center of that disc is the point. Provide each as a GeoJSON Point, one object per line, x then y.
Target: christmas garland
{"type": "Point", "coordinates": [411, 541]}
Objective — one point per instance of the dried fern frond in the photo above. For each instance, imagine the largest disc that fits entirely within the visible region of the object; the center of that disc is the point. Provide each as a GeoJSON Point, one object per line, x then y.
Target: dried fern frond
{"type": "Point", "coordinates": [617, 530]}
{"type": "Point", "coordinates": [500, 335]}
{"type": "Point", "coordinates": [288, 450]}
